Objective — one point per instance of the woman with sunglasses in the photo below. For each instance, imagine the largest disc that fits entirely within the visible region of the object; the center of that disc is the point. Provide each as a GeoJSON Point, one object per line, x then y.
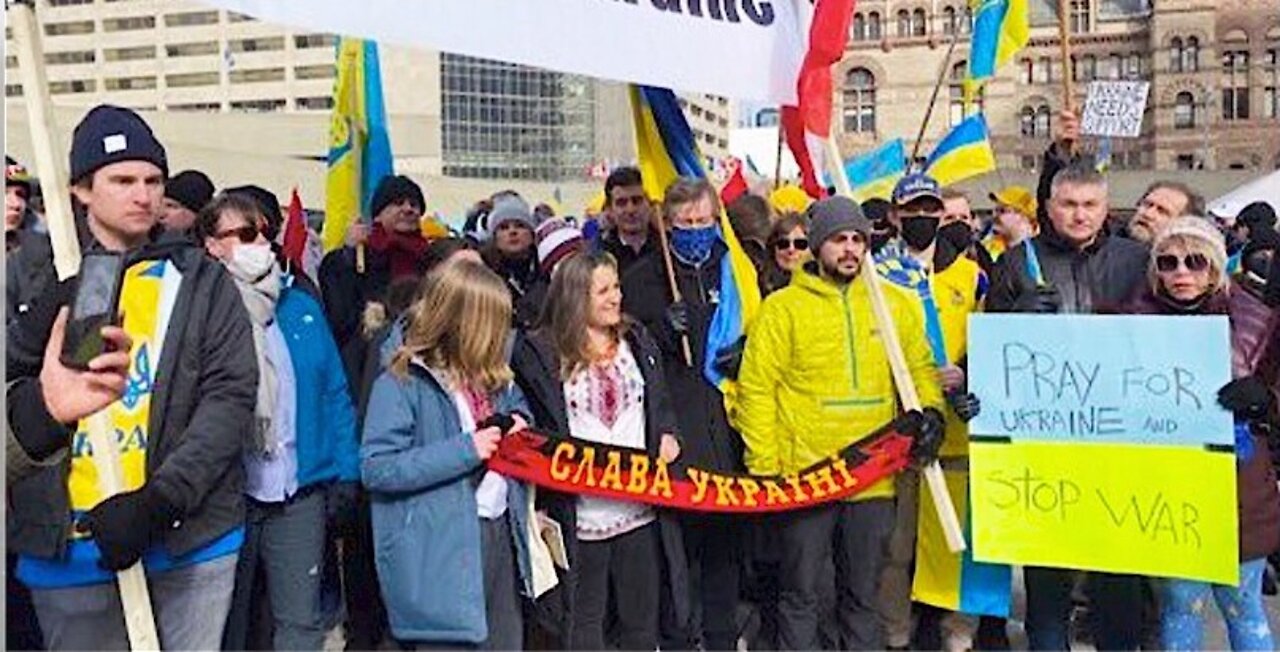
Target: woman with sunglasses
{"type": "Point", "coordinates": [1187, 276]}
{"type": "Point", "coordinates": [302, 441]}
{"type": "Point", "coordinates": [788, 249]}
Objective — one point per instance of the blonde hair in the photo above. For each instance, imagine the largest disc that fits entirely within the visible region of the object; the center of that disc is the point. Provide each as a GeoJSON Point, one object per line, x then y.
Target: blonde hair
{"type": "Point", "coordinates": [565, 313]}
{"type": "Point", "coordinates": [1192, 245]}
{"type": "Point", "coordinates": [460, 325]}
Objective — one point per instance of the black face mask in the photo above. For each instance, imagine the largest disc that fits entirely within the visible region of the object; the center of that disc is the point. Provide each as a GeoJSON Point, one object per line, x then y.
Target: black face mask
{"type": "Point", "coordinates": [919, 232]}
{"type": "Point", "coordinates": [957, 234]}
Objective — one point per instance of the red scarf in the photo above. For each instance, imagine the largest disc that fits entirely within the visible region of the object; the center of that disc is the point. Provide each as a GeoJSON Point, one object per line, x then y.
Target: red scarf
{"type": "Point", "coordinates": [403, 250]}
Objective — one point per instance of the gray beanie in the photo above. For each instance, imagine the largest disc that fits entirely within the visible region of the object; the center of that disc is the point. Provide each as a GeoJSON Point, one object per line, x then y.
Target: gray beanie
{"type": "Point", "coordinates": [507, 209]}
{"type": "Point", "coordinates": [832, 215]}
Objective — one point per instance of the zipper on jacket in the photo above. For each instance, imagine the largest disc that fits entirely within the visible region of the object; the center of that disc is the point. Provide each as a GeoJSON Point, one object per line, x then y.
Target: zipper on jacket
{"type": "Point", "coordinates": [848, 336]}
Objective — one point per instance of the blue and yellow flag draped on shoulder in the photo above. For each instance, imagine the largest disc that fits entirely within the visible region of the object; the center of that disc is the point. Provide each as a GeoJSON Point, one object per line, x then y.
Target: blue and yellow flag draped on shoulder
{"type": "Point", "coordinates": [359, 148]}
{"type": "Point", "coordinates": [1000, 29]}
{"type": "Point", "coordinates": [666, 150]}
{"type": "Point", "coordinates": [963, 153]}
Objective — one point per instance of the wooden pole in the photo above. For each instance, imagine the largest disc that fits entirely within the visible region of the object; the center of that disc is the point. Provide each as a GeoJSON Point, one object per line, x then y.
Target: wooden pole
{"type": "Point", "coordinates": [1064, 38]}
{"type": "Point", "coordinates": [134, 597]}
{"type": "Point", "coordinates": [933, 100]}
{"type": "Point", "coordinates": [777, 161]}
{"type": "Point", "coordinates": [675, 289]}
{"type": "Point", "coordinates": [902, 380]}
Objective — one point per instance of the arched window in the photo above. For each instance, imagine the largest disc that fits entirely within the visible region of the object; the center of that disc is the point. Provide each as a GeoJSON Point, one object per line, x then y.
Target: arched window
{"type": "Point", "coordinates": [1191, 55]}
{"type": "Point", "coordinates": [904, 23]}
{"type": "Point", "coordinates": [1028, 121]}
{"type": "Point", "coordinates": [957, 109]}
{"type": "Point", "coordinates": [1175, 54]}
{"type": "Point", "coordinates": [918, 25]}
{"type": "Point", "coordinates": [859, 101]}
{"type": "Point", "coordinates": [1042, 121]}
{"type": "Point", "coordinates": [873, 26]}
{"type": "Point", "coordinates": [949, 21]}
{"type": "Point", "coordinates": [1184, 111]}
{"type": "Point", "coordinates": [859, 28]}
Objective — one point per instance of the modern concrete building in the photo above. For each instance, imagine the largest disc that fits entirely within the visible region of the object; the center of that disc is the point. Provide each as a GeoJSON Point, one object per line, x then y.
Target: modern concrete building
{"type": "Point", "coordinates": [451, 116]}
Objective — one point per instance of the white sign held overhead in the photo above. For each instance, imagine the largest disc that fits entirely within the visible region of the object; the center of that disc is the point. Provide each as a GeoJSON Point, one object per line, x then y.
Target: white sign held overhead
{"type": "Point", "coordinates": [741, 49]}
{"type": "Point", "coordinates": [1115, 108]}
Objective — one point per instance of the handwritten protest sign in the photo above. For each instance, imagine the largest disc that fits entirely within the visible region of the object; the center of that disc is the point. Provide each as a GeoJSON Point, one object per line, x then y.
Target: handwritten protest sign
{"type": "Point", "coordinates": [1149, 510]}
{"type": "Point", "coordinates": [1105, 379]}
{"type": "Point", "coordinates": [1115, 108]}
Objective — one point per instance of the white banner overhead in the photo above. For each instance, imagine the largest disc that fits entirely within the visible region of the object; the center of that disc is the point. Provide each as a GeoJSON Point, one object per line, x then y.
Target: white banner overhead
{"type": "Point", "coordinates": [742, 49]}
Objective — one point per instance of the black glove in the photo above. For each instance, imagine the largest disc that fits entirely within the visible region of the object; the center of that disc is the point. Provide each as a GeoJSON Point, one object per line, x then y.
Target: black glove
{"type": "Point", "coordinates": [1042, 299]}
{"type": "Point", "coordinates": [677, 317]}
{"type": "Point", "coordinates": [927, 429]}
{"type": "Point", "coordinates": [1248, 398]}
{"type": "Point", "coordinates": [340, 506]}
{"type": "Point", "coordinates": [503, 422]}
{"type": "Point", "coordinates": [729, 359]}
{"type": "Point", "coordinates": [126, 524]}
{"type": "Point", "coordinates": [965, 404]}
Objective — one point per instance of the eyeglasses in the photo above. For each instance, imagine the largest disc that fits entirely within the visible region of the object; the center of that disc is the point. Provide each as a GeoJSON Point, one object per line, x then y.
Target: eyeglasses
{"type": "Point", "coordinates": [1192, 262]}
{"type": "Point", "coordinates": [799, 244]}
{"type": "Point", "coordinates": [246, 234]}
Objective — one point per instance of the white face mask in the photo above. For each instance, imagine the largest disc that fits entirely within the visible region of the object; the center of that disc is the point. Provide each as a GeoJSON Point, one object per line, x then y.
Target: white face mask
{"type": "Point", "coordinates": [251, 262]}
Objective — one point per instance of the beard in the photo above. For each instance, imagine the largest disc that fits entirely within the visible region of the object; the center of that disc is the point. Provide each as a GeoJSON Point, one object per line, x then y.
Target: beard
{"type": "Point", "coordinates": [840, 276]}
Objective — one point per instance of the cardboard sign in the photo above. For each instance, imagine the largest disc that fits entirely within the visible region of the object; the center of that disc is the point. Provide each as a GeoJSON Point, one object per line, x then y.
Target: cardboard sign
{"type": "Point", "coordinates": [1102, 379]}
{"type": "Point", "coordinates": [1163, 511]}
{"type": "Point", "coordinates": [1115, 108]}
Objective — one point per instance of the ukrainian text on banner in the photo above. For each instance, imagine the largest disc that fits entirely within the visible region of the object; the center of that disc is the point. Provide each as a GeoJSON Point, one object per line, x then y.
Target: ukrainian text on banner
{"type": "Point", "coordinates": [745, 49]}
{"type": "Point", "coordinates": [579, 467]}
{"type": "Point", "coordinates": [1102, 445]}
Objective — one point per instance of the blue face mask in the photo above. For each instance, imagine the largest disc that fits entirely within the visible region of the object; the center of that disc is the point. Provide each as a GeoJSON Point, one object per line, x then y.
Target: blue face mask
{"type": "Point", "coordinates": [693, 245]}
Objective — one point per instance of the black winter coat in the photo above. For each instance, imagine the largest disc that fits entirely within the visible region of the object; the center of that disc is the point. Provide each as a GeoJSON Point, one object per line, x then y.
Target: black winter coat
{"type": "Point", "coordinates": [537, 371]}
{"type": "Point", "coordinates": [205, 391]}
{"type": "Point", "coordinates": [1104, 274]}
{"type": "Point", "coordinates": [709, 442]}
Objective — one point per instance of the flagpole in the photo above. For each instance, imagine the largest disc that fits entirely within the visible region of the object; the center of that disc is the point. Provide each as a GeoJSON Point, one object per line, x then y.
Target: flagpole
{"type": "Point", "coordinates": [902, 380]}
{"type": "Point", "coordinates": [937, 87]}
{"type": "Point", "coordinates": [676, 297]}
{"type": "Point", "coordinates": [777, 161]}
{"type": "Point", "coordinates": [135, 600]}
{"type": "Point", "coordinates": [1064, 38]}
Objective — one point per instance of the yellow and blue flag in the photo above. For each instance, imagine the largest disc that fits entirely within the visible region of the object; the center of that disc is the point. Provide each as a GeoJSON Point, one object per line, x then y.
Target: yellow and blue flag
{"type": "Point", "coordinates": [874, 174]}
{"type": "Point", "coordinates": [666, 150]}
{"type": "Point", "coordinates": [359, 148]}
{"type": "Point", "coordinates": [1000, 29]}
{"type": "Point", "coordinates": [963, 153]}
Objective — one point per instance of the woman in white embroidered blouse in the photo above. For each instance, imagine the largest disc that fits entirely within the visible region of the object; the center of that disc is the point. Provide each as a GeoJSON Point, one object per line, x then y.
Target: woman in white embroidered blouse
{"type": "Point", "coordinates": [605, 398]}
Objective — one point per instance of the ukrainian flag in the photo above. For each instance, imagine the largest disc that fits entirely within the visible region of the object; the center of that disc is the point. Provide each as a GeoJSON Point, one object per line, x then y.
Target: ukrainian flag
{"type": "Point", "coordinates": [956, 582]}
{"type": "Point", "coordinates": [666, 150]}
{"type": "Point", "coordinates": [963, 153]}
{"type": "Point", "coordinates": [874, 174]}
{"type": "Point", "coordinates": [1000, 29]}
{"type": "Point", "coordinates": [359, 148]}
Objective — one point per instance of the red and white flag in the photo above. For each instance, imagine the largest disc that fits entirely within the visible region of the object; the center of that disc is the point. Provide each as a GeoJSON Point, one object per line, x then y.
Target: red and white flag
{"type": "Point", "coordinates": [294, 244]}
{"type": "Point", "coordinates": [807, 125]}
{"type": "Point", "coordinates": [736, 185]}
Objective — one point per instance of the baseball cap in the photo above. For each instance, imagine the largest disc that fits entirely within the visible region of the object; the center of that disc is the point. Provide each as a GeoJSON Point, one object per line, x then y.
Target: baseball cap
{"type": "Point", "coordinates": [916, 186]}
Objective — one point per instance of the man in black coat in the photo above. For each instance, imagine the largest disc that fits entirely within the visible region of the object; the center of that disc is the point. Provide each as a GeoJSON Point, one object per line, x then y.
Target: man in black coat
{"type": "Point", "coordinates": [630, 237]}
{"type": "Point", "coordinates": [188, 402]}
{"type": "Point", "coordinates": [1081, 269]}
{"type": "Point", "coordinates": [713, 544]}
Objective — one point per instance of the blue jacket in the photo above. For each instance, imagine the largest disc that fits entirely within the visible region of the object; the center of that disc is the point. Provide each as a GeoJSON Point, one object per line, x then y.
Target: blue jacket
{"type": "Point", "coordinates": [326, 421]}
{"type": "Point", "coordinates": [418, 465]}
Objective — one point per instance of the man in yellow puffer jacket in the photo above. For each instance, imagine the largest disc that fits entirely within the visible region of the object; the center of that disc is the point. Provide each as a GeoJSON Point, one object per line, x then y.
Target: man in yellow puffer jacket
{"type": "Point", "coordinates": [815, 378]}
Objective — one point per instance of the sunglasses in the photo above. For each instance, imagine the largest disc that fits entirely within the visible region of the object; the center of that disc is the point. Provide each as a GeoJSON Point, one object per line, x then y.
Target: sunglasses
{"type": "Point", "coordinates": [246, 234]}
{"type": "Point", "coordinates": [1192, 262]}
{"type": "Point", "coordinates": [799, 244]}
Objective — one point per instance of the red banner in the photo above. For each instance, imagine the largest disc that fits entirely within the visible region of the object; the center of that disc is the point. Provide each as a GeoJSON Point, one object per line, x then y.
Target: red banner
{"type": "Point", "coordinates": [580, 467]}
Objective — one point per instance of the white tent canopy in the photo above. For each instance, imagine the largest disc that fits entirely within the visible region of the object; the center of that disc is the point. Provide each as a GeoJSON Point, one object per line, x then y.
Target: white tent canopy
{"type": "Point", "coordinates": [1265, 188]}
